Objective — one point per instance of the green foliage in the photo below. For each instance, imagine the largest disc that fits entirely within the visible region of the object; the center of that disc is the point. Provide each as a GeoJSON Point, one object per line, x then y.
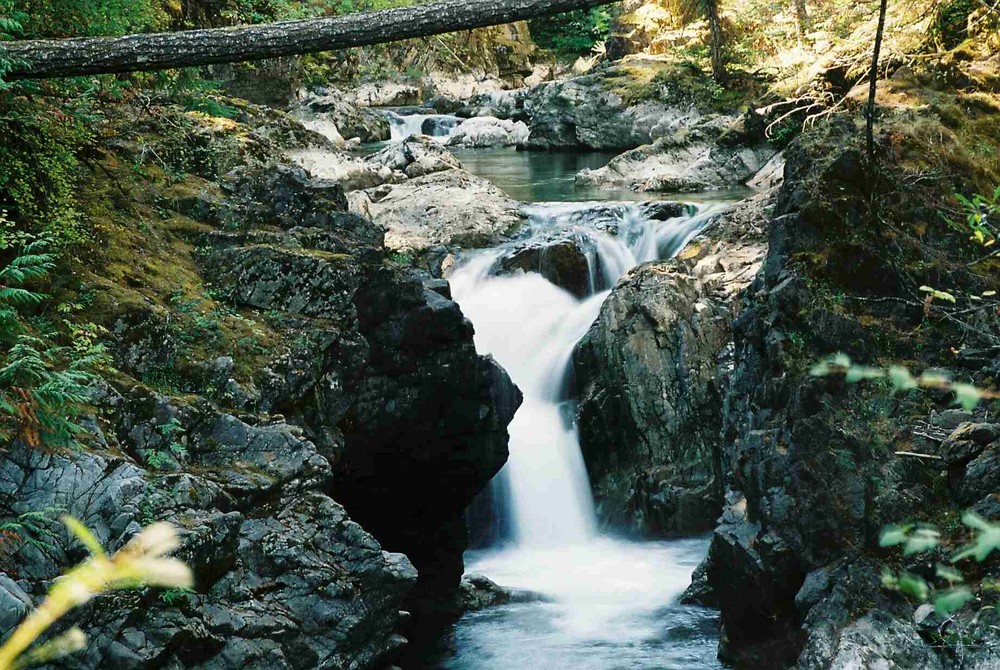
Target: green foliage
{"type": "Point", "coordinates": [83, 18]}
{"type": "Point", "coordinates": [950, 27]}
{"type": "Point", "coordinates": [39, 169]}
{"type": "Point", "coordinates": [29, 528]}
{"type": "Point", "coordinates": [44, 386]}
{"type": "Point", "coordinates": [574, 33]}
{"type": "Point", "coordinates": [924, 539]}
{"type": "Point", "coordinates": [966, 395]}
{"type": "Point", "coordinates": [981, 213]}
{"type": "Point", "coordinates": [170, 449]}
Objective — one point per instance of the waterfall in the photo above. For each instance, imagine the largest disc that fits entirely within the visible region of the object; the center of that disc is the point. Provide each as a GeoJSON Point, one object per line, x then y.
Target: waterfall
{"type": "Point", "coordinates": [531, 327]}
{"type": "Point", "coordinates": [433, 125]}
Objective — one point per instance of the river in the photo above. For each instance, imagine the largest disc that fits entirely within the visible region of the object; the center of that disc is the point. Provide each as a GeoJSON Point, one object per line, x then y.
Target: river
{"type": "Point", "coordinates": [603, 603]}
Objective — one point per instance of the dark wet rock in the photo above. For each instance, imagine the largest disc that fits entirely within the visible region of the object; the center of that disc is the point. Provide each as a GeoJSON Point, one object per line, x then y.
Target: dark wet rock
{"type": "Point", "coordinates": [281, 195]}
{"type": "Point", "coordinates": [370, 392]}
{"type": "Point", "coordinates": [876, 640]}
{"type": "Point", "coordinates": [478, 592]}
{"type": "Point", "coordinates": [650, 374]}
{"type": "Point", "coordinates": [812, 477]}
{"type": "Point", "coordinates": [259, 587]}
{"type": "Point", "coordinates": [700, 591]}
{"type": "Point", "coordinates": [562, 263]}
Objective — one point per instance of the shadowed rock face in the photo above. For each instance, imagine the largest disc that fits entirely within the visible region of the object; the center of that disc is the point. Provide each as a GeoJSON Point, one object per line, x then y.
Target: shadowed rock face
{"type": "Point", "coordinates": [811, 464]}
{"type": "Point", "coordinates": [562, 263]}
{"type": "Point", "coordinates": [374, 409]}
{"type": "Point", "coordinates": [651, 373]}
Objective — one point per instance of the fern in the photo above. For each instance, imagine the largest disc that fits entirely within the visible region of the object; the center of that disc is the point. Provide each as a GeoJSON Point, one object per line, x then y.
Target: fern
{"type": "Point", "coordinates": [44, 388]}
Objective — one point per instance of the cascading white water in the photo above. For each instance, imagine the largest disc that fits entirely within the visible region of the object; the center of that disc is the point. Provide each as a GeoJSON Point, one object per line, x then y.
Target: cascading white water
{"type": "Point", "coordinates": [434, 125]}
{"type": "Point", "coordinates": [531, 327]}
{"type": "Point", "coordinates": [608, 603]}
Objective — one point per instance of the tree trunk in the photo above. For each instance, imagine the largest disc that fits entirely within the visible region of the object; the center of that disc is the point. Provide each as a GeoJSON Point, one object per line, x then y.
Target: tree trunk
{"type": "Point", "coordinates": [715, 41]}
{"type": "Point", "coordinates": [803, 17]}
{"type": "Point", "coordinates": [873, 82]}
{"type": "Point", "coordinates": [41, 59]}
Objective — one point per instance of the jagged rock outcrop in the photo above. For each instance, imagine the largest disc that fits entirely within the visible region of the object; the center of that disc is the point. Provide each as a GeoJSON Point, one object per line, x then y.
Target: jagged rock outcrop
{"type": "Point", "coordinates": [713, 155]}
{"type": "Point", "coordinates": [245, 519]}
{"type": "Point", "coordinates": [815, 467]}
{"type": "Point", "coordinates": [584, 112]}
{"type": "Point", "coordinates": [563, 262]}
{"type": "Point", "coordinates": [415, 156]}
{"type": "Point", "coordinates": [651, 375]}
{"type": "Point", "coordinates": [441, 209]}
{"type": "Point", "coordinates": [618, 107]}
{"type": "Point", "coordinates": [332, 112]}
{"type": "Point", "coordinates": [487, 131]}
{"type": "Point", "coordinates": [356, 395]}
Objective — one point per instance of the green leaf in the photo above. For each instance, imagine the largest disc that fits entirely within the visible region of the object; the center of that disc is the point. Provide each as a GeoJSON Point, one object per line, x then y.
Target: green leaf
{"type": "Point", "coordinates": [940, 295]}
{"type": "Point", "coordinates": [914, 586]}
{"type": "Point", "coordinates": [949, 574]}
{"type": "Point", "coordinates": [901, 378]}
{"type": "Point", "coordinates": [858, 373]}
{"type": "Point", "coordinates": [987, 538]}
{"type": "Point", "coordinates": [893, 535]}
{"type": "Point", "coordinates": [951, 601]}
{"type": "Point", "coordinates": [921, 540]}
{"type": "Point", "coordinates": [966, 395]}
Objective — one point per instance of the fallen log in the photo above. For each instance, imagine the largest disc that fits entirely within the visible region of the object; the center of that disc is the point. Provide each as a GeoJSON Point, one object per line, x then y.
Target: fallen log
{"type": "Point", "coordinates": [43, 59]}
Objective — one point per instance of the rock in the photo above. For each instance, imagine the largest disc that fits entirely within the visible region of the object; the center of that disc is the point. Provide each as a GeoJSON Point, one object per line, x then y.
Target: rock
{"type": "Point", "coordinates": [478, 592]}
{"type": "Point", "coordinates": [771, 175]}
{"type": "Point", "coordinates": [497, 104]}
{"type": "Point", "coordinates": [672, 164]}
{"type": "Point", "coordinates": [562, 263]}
{"type": "Point", "coordinates": [387, 94]}
{"type": "Point", "coordinates": [584, 112]}
{"type": "Point", "coordinates": [486, 131]}
{"type": "Point", "coordinates": [649, 374]}
{"type": "Point", "coordinates": [982, 476]}
{"type": "Point", "coordinates": [700, 591]}
{"type": "Point", "coordinates": [415, 156]}
{"type": "Point", "coordinates": [350, 172]}
{"type": "Point", "coordinates": [875, 640]}
{"type": "Point", "coordinates": [335, 111]}
{"type": "Point", "coordinates": [14, 604]}
{"type": "Point", "coordinates": [281, 195]}
{"type": "Point", "coordinates": [348, 353]}
{"type": "Point", "coordinates": [444, 208]}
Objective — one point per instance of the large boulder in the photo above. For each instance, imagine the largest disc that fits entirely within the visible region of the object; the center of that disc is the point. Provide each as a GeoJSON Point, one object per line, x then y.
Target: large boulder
{"type": "Point", "coordinates": [486, 131]}
{"type": "Point", "coordinates": [698, 159]}
{"type": "Point", "coordinates": [651, 374]}
{"type": "Point", "coordinates": [562, 262]}
{"type": "Point", "coordinates": [356, 392]}
{"type": "Point", "coordinates": [335, 115]}
{"type": "Point", "coordinates": [415, 156]}
{"type": "Point", "coordinates": [263, 598]}
{"type": "Point", "coordinates": [451, 207]}
{"type": "Point", "coordinates": [585, 113]}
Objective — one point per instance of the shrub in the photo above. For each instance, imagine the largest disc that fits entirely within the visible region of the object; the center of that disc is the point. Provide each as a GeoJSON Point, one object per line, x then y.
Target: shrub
{"type": "Point", "coordinates": [573, 33]}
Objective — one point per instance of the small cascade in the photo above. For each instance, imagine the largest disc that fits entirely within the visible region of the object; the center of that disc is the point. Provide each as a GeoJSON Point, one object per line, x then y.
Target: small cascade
{"type": "Point", "coordinates": [607, 603]}
{"type": "Point", "coordinates": [432, 125]}
{"type": "Point", "coordinates": [531, 326]}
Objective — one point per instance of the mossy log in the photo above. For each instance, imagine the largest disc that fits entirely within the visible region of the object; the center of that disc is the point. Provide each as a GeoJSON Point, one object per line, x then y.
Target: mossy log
{"type": "Point", "coordinates": [42, 59]}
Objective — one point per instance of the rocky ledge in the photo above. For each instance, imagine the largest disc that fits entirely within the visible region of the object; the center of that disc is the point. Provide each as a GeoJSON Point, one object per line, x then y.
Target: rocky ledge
{"type": "Point", "coordinates": [279, 381]}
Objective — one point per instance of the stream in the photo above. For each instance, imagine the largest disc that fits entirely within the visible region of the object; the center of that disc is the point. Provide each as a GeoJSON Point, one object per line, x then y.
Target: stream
{"type": "Point", "coordinates": [602, 603]}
